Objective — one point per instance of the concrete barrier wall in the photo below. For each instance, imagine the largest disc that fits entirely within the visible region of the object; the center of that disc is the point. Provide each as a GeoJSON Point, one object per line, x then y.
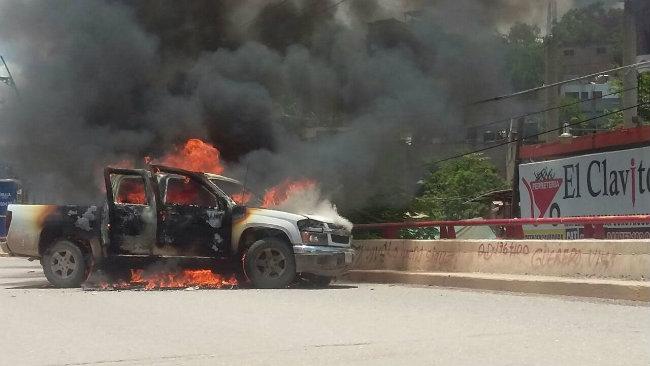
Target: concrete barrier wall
{"type": "Point", "coordinates": [623, 259]}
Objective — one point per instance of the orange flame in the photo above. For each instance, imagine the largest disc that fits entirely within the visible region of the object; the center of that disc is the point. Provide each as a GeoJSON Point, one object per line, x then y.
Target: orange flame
{"type": "Point", "coordinates": [280, 193]}
{"type": "Point", "coordinates": [195, 155]}
{"type": "Point", "coordinates": [203, 278]}
{"type": "Point", "coordinates": [131, 192]}
{"type": "Point", "coordinates": [241, 198]}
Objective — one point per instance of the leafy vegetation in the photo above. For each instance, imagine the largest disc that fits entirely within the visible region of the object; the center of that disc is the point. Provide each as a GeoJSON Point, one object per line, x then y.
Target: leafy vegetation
{"type": "Point", "coordinates": [589, 25]}
{"type": "Point", "coordinates": [616, 120]}
{"type": "Point", "coordinates": [421, 233]}
{"type": "Point", "coordinates": [450, 188]}
{"type": "Point", "coordinates": [571, 112]}
{"type": "Point", "coordinates": [644, 97]}
{"type": "Point", "coordinates": [524, 56]}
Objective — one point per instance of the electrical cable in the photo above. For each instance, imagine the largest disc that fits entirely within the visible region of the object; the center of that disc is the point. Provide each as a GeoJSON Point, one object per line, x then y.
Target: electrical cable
{"type": "Point", "coordinates": [276, 5]}
{"type": "Point", "coordinates": [507, 96]}
{"type": "Point", "coordinates": [547, 109]}
{"type": "Point", "coordinates": [552, 108]}
{"type": "Point", "coordinates": [537, 134]}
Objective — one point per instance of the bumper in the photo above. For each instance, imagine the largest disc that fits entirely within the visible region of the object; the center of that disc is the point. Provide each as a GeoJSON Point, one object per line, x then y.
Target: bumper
{"type": "Point", "coordinates": [323, 261]}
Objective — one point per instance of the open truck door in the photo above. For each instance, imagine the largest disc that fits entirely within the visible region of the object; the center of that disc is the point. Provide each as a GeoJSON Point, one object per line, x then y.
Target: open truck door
{"type": "Point", "coordinates": [194, 219]}
{"type": "Point", "coordinates": [132, 211]}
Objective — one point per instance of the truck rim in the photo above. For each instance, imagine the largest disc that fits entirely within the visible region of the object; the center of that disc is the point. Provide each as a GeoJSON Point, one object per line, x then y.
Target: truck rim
{"type": "Point", "coordinates": [271, 263]}
{"type": "Point", "coordinates": [63, 263]}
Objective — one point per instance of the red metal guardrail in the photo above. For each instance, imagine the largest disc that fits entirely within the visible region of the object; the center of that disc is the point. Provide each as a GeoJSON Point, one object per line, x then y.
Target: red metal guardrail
{"type": "Point", "coordinates": [593, 226]}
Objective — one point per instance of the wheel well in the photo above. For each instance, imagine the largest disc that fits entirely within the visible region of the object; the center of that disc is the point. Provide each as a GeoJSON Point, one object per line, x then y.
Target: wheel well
{"type": "Point", "coordinates": [253, 234]}
{"type": "Point", "coordinates": [51, 235]}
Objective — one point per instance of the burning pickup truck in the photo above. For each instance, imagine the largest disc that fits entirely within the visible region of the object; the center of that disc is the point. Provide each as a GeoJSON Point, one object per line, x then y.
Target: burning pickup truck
{"type": "Point", "coordinates": [164, 212]}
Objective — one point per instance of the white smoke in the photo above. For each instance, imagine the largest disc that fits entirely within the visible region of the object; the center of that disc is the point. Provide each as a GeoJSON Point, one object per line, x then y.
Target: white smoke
{"type": "Point", "coordinates": [310, 201]}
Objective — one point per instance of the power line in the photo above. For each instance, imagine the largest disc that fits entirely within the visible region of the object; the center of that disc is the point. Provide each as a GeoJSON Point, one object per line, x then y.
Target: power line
{"type": "Point", "coordinates": [507, 96]}
{"type": "Point", "coordinates": [334, 6]}
{"type": "Point", "coordinates": [276, 5]}
{"type": "Point", "coordinates": [528, 114]}
{"type": "Point", "coordinates": [522, 115]}
{"type": "Point", "coordinates": [506, 119]}
{"type": "Point", "coordinates": [551, 108]}
{"type": "Point", "coordinates": [535, 135]}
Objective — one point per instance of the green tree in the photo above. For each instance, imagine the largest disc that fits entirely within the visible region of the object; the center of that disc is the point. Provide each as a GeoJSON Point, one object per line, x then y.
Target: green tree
{"type": "Point", "coordinates": [524, 56]}
{"type": "Point", "coordinates": [449, 188]}
{"type": "Point", "coordinates": [616, 120]}
{"type": "Point", "coordinates": [592, 24]}
{"type": "Point", "coordinates": [644, 97]}
{"type": "Point", "coordinates": [571, 112]}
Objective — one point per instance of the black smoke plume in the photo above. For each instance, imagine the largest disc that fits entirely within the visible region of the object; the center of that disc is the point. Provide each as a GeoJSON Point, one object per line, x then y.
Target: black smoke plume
{"type": "Point", "coordinates": [103, 81]}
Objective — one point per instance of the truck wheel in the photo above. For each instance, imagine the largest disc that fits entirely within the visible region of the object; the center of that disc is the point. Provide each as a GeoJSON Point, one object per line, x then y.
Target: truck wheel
{"type": "Point", "coordinates": [64, 264]}
{"type": "Point", "coordinates": [269, 263]}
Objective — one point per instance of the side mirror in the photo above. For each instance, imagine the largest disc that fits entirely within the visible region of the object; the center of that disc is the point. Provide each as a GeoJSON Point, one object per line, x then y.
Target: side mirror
{"type": "Point", "coordinates": [238, 211]}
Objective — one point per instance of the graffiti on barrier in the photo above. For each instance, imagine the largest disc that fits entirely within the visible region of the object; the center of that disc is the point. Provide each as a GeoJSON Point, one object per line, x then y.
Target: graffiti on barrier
{"type": "Point", "coordinates": [495, 255]}
{"type": "Point", "coordinates": [546, 257]}
{"type": "Point", "coordinates": [390, 252]}
{"type": "Point", "coordinates": [487, 251]}
{"type": "Point", "coordinates": [555, 257]}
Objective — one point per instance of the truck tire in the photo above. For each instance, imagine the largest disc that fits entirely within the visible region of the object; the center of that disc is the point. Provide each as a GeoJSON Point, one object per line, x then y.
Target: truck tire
{"type": "Point", "coordinates": [269, 263]}
{"type": "Point", "coordinates": [64, 264]}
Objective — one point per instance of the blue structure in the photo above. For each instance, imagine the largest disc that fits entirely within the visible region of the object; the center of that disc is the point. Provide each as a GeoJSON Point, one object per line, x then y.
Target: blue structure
{"type": "Point", "coordinates": [10, 192]}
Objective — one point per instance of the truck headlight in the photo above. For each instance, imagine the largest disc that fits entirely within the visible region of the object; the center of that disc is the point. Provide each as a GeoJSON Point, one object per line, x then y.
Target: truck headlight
{"type": "Point", "coordinates": [310, 238]}
{"type": "Point", "coordinates": [312, 232]}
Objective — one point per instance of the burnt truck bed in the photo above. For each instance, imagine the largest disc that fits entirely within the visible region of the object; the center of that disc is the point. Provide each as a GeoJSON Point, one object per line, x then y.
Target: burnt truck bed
{"type": "Point", "coordinates": [35, 226]}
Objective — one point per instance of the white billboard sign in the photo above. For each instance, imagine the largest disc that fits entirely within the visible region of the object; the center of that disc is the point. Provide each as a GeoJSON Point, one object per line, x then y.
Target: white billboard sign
{"type": "Point", "coordinates": [608, 183]}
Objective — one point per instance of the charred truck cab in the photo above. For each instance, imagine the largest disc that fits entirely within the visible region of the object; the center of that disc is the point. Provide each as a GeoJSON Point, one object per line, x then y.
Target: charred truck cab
{"type": "Point", "coordinates": [165, 212]}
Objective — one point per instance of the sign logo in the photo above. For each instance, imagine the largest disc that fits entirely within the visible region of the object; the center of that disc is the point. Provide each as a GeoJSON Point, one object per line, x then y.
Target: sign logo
{"type": "Point", "coordinates": [542, 190]}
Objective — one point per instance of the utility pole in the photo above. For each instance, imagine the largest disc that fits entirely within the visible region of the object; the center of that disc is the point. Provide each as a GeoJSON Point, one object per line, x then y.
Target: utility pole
{"type": "Point", "coordinates": [515, 209]}
{"type": "Point", "coordinates": [630, 76]}
{"type": "Point", "coordinates": [552, 94]}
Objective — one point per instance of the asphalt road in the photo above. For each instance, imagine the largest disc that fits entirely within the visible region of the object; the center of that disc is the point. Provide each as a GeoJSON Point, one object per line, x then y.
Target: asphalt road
{"type": "Point", "coordinates": [344, 325]}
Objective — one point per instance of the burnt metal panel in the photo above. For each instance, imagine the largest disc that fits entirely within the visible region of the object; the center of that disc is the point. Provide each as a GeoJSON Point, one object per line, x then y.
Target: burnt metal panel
{"type": "Point", "coordinates": [132, 227]}
{"type": "Point", "coordinates": [191, 230]}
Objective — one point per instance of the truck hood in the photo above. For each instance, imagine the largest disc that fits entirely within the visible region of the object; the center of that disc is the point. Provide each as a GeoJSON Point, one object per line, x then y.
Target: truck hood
{"type": "Point", "coordinates": [287, 215]}
{"type": "Point", "coordinates": [277, 214]}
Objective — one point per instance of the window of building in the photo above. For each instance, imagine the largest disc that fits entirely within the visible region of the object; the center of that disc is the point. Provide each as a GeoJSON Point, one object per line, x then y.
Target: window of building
{"type": "Point", "coordinates": [471, 134]}
{"type": "Point", "coordinates": [569, 52]}
{"type": "Point", "coordinates": [489, 136]}
{"type": "Point", "coordinates": [572, 95]}
{"type": "Point", "coordinates": [597, 94]}
{"type": "Point", "coordinates": [584, 95]}
{"type": "Point", "coordinates": [601, 50]}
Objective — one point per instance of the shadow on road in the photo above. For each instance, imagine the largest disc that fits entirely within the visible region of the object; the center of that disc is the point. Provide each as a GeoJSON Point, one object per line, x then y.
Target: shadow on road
{"type": "Point", "coordinates": [30, 285]}
{"type": "Point", "coordinates": [330, 287]}
{"type": "Point", "coordinates": [30, 274]}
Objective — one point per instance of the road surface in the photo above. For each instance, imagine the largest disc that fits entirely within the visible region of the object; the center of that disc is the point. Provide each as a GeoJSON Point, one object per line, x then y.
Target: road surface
{"type": "Point", "coordinates": [345, 325]}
